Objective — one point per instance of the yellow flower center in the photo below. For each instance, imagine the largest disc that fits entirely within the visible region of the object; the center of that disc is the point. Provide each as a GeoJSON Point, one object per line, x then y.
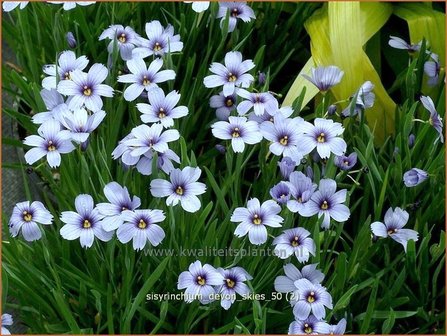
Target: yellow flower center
{"type": "Point", "coordinates": [391, 231]}
{"type": "Point", "coordinates": [311, 297]}
{"type": "Point", "coordinates": [201, 281]}
{"type": "Point", "coordinates": [157, 46]}
{"type": "Point", "coordinates": [161, 113]}
{"type": "Point", "coordinates": [230, 283]}
{"type": "Point", "coordinates": [122, 38]}
{"type": "Point", "coordinates": [229, 102]}
{"type": "Point", "coordinates": [179, 191]}
{"type": "Point", "coordinates": [146, 81]}
{"type": "Point", "coordinates": [321, 138]}
{"type": "Point", "coordinates": [142, 224]}
{"type": "Point", "coordinates": [236, 133]}
{"type": "Point", "coordinates": [51, 147]}
{"type": "Point", "coordinates": [27, 217]}
{"type": "Point", "coordinates": [324, 206]}
{"type": "Point", "coordinates": [67, 75]}
{"type": "Point", "coordinates": [87, 91]}
{"type": "Point", "coordinates": [256, 219]}
{"type": "Point", "coordinates": [284, 140]}
{"type": "Point", "coordinates": [231, 77]}
{"type": "Point", "coordinates": [307, 328]}
{"type": "Point", "coordinates": [295, 241]}
{"type": "Point", "coordinates": [87, 224]}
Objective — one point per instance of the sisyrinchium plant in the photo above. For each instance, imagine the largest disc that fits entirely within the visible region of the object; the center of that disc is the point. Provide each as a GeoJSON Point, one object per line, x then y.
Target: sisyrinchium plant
{"type": "Point", "coordinates": [176, 191]}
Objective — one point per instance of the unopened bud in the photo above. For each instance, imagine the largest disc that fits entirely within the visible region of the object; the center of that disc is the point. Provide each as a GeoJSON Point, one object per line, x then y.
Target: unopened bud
{"type": "Point", "coordinates": [261, 78]}
{"type": "Point", "coordinates": [411, 139]}
{"type": "Point", "coordinates": [84, 145]}
{"type": "Point", "coordinates": [221, 149]}
{"type": "Point", "coordinates": [71, 40]}
{"type": "Point", "coordinates": [331, 110]}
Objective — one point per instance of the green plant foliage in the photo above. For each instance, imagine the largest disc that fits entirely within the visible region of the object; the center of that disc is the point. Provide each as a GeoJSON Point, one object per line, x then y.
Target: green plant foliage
{"type": "Point", "coordinates": [59, 287]}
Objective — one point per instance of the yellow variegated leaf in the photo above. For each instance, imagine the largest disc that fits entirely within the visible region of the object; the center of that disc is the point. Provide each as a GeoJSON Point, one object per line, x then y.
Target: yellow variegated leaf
{"type": "Point", "coordinates": [348, 54]}
{"type": "Point", "coordinates": [346, 45]}
{"type": "Point", "coordinates": [300, 83]}
{"type": "Point", "coordinates": [338, 33]}
{"type": "Point", "coordinates": [423, 21]}
{"type": "Point", "coordinates": [373, 16]}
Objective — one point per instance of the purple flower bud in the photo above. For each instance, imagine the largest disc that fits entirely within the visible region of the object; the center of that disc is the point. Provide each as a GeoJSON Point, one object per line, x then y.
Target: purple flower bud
{"type": "Point", "coordinates": [316, 157]}
{"type": "Point", "coordinates": [143, 95]}
{"type": "Point", "coordinates": [221, 149]}
{"type": "Point", "coordinates": [71, 40]}
{"type": "Point", "coordinates": [411, 139]}
{"type": "Point", "coordinates": [125, 166]}
{"type": "Point", "coordinates": [414, 176]}
{"type": "Point", "coordinates": [331, 110]}
{"type": "Point", "coordinates": [84, 145]}
{"type": "Point", "coordinates": [109, 62]}
{"type": "Point", "coordinates": [286, 166]}
{"type": "Point", "coordinates": [261, 78]}
{"type": "Point", "coordinates": [309, 172]}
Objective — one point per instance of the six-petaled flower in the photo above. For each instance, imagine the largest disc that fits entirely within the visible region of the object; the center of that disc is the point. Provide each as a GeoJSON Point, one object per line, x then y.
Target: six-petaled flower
{"type": "Point", "coordinates": [51, 142]}
{"type": "Point", "coordinates": [224, 105]}
{"type": "Point", "coordinates": [286, 283]}
{"type": "Point", "coordinates": [308, 326]}
{"type": "Point", "coordinates": [144, 78]}
{"type": "Point", "coordinates": [86, 88]}
{"type": "Point", "coordinates": [162, 108]}
{"type": "Point", "coordinates": [231, 75]}
{"type": "Point", "coordinates": [232, 284]}
{"type": "Point", "coordinates": [327, 202]}
{"type": "Point", "coordinates": [85, 223]}
{"type": "Point", "coordinates": [182, 187]}
{"type": "Point", "coordinates": [199, 281]}
{"type": "Point", "coordinates": [324, 136]}
{"type": "Point", "coordinates": [159, 41]}
{"type": "Point", "coordinates": [254, 218]}
{"type": "Point", "coordinates": [139, 226]}
{"type": "Point", "coordinates": [237, 10]}
{"type": "Point", "coordinates": [124, 38]}
{"type": "Point", "coordinates": [25, 217]}
{"type": "Point", "coordinates": [294, 241]}
{"type": "Point", "coordinates": [393, 227]}
{"type": "Point", "coordinates": [67, 63]}
{"type": "Point", "coordinates": [239, 131]}
{"type": "Point", "coordinates": [311, 298]}
{"type": "Point", "coordinates": [120, 201]}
